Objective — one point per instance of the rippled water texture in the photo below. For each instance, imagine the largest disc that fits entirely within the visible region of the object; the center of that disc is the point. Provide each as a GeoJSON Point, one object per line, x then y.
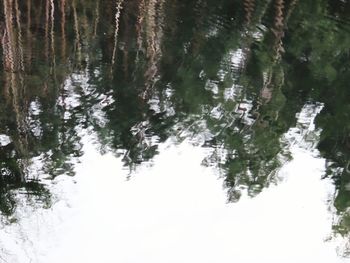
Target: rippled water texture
{"type": "Point", "coordinates": [174, 131]}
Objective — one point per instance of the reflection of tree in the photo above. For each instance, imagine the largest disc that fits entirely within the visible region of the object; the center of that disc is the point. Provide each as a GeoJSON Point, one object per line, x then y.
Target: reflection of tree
{"type": "Point", "coordinates": [318, 54]}
{"type": "Point", "coordinates": [245, 128]}
{"type": "Point", "coordinates": [132, 128]}
{"type": "Point", "coordinates": [186, 74]}
{"type": "Point", "coordinates": [177, 86]}
{"type": "Point", "coordinates": [29, 114]}
{"type": "Point", "coordinates": [232, 73]}
{"type": "Point", "coordinates": [14, 161]}
{"type": "Point", "coordinates": [39, 88]}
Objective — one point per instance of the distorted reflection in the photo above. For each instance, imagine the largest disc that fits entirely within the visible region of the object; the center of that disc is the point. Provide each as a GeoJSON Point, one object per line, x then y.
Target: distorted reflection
{"type": "Point", "coordinates": [235, 77]}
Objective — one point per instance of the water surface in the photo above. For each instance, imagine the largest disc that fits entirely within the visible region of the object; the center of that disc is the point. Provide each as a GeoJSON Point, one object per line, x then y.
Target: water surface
{"type": "Point", "coordinates": [174, 131]}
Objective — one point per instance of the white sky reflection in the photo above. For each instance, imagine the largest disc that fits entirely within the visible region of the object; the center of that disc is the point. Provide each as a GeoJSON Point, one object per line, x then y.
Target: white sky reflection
{"type": "Point", "coordinates": [176, 211]}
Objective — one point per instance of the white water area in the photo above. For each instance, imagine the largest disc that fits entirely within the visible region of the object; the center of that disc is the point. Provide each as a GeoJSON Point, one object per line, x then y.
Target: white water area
{"type": "Point", "coordinates": [176, 211]}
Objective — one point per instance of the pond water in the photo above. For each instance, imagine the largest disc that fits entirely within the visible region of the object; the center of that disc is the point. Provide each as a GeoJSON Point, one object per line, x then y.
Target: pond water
{"type": "Point", "coordinates": [174, 131]}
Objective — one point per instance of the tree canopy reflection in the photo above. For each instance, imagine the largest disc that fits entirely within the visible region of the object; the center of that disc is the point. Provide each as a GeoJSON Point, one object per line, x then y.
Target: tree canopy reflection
{"type": "Point", "coordinates": [230, 74]}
